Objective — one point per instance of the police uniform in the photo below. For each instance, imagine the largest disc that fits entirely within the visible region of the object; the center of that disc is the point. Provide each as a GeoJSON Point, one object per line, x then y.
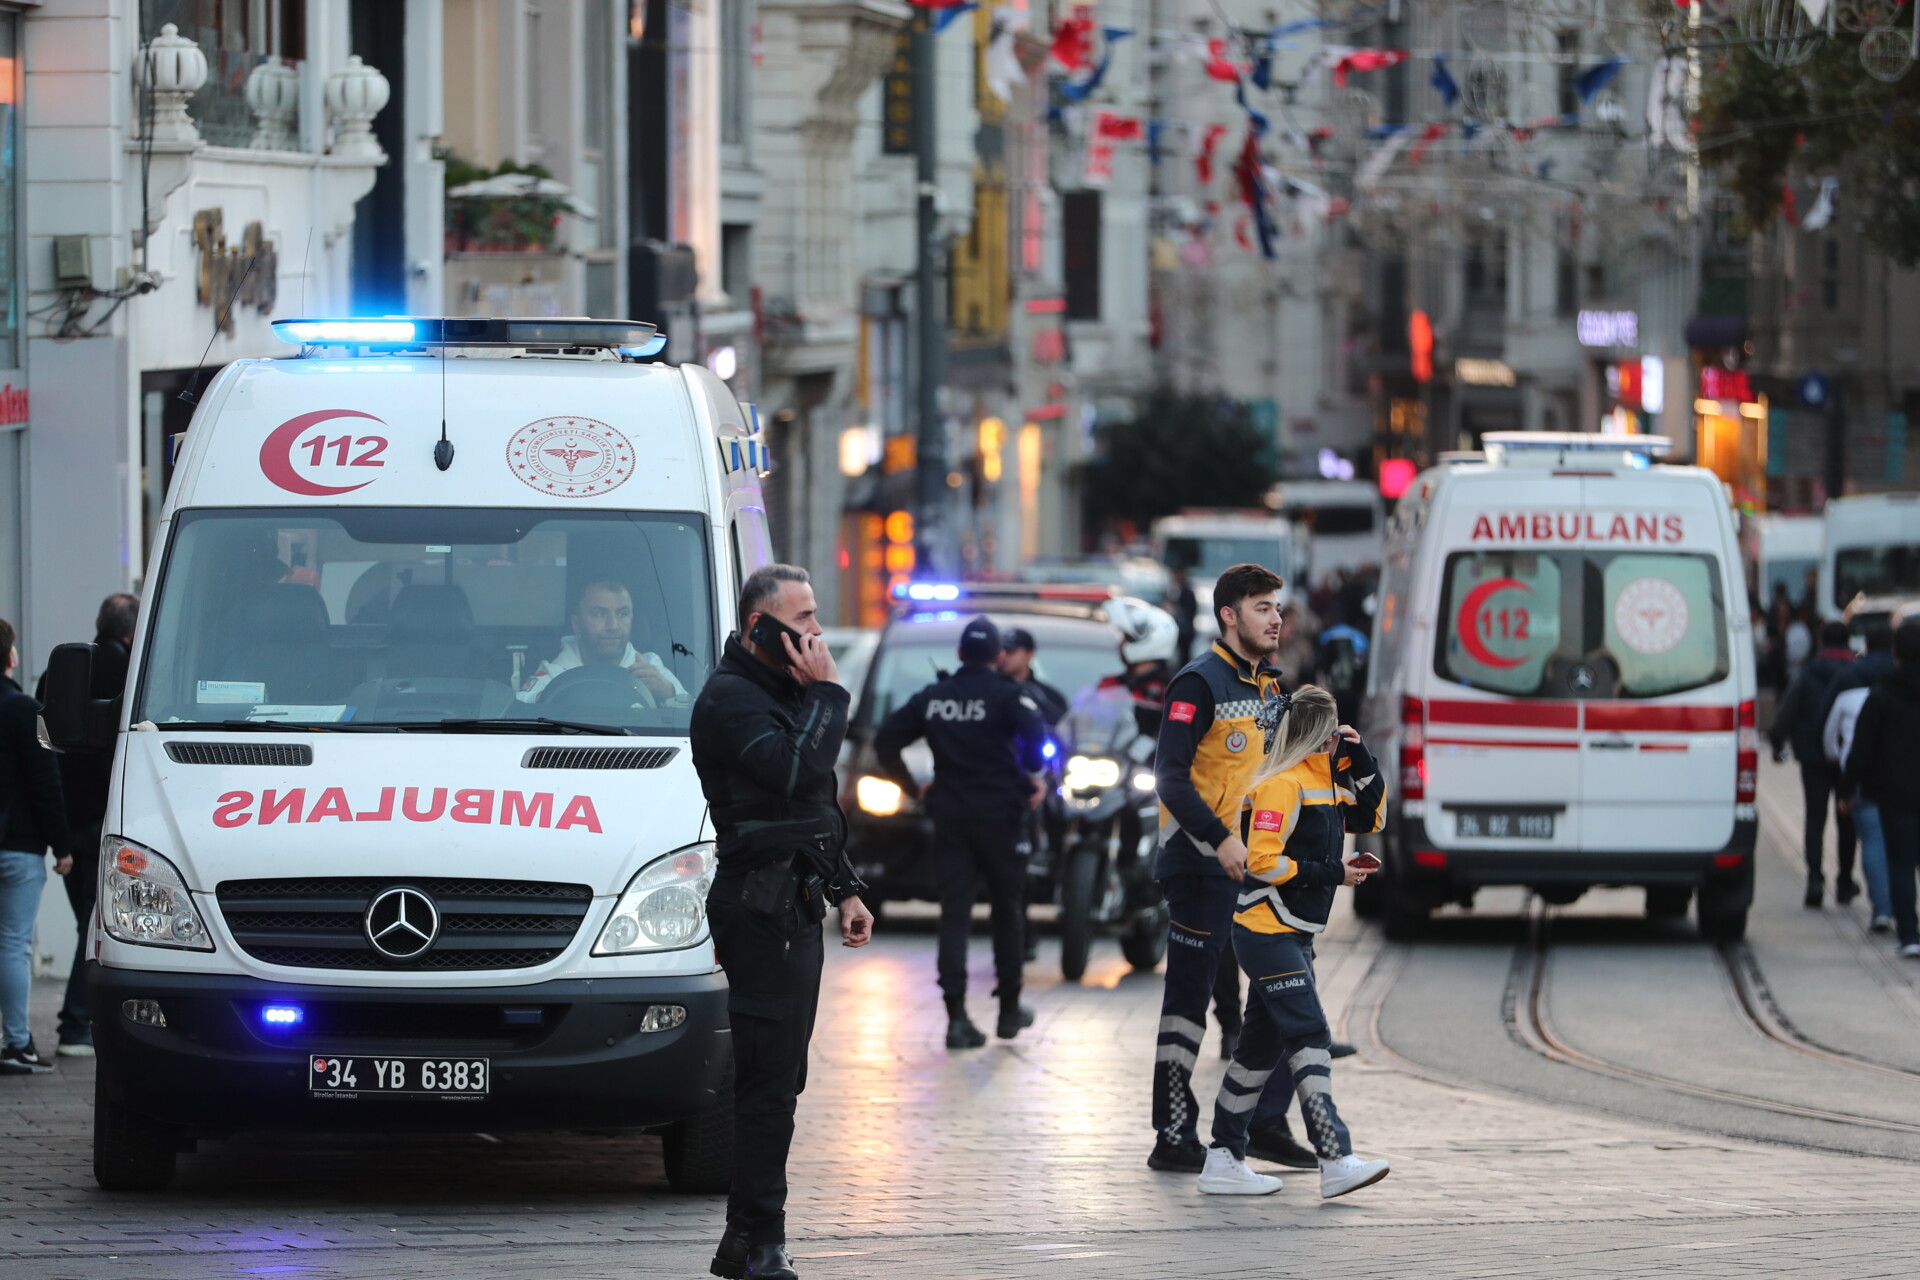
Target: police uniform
{"type": "Point", "coordinates": [987, 736]}
{"type": "Point", "coordinates": [1294, 867]}
{"type": "Point", "coordinates": [1210, 746]}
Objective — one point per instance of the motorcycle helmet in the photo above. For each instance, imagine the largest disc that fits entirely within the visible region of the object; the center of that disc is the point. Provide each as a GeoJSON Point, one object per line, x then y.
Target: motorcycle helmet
{"type": "Point", "coordinates": [1147, 633]}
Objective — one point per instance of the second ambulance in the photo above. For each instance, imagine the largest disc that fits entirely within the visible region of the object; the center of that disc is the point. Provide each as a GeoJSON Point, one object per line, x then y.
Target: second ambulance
{"type": "Point", "coordinates": [1565, 677]}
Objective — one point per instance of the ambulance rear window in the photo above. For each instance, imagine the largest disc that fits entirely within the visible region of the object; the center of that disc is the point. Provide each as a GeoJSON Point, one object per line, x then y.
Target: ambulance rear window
{"type": "Point", "coordinates": [1582, 624]}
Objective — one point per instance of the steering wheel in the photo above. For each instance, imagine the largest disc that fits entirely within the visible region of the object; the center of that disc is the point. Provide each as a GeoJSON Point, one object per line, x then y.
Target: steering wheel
{"type": "Point", "coordinates": [601, 687]}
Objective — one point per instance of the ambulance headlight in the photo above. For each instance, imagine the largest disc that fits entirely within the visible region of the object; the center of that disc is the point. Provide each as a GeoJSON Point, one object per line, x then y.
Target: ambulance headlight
{"type": "Point", "coordinates": [143, 900]}
{"type": "Point", "coordinates": [664, 907]}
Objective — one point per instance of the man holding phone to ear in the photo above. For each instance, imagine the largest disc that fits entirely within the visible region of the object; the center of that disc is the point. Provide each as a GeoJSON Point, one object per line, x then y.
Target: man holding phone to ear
{"type": "Point", "coordinates": [766, 734]}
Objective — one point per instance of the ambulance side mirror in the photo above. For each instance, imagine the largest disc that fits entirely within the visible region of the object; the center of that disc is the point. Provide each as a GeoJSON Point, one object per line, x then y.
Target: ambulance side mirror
{"type": "Point", "coordinates": [74, 718]}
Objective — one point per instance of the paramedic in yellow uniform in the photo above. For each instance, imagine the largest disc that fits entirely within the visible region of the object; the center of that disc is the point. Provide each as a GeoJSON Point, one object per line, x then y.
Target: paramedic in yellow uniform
{"type": "Point", "coordinates": [1317, 783]}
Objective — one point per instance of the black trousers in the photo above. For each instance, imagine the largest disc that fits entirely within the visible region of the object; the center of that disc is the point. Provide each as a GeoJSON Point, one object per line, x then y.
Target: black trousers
{"type": "Point", "coordinates": [969, 848]}
{"type": "Point", "coordinates": [1285, 1044]}
{"type": "Point", "coordinates": [83, 887]}
{"type": "Point", "coordinates": [1818, 784]}
{"type": "Point", "coordinates": [772, 964]}
{"type": "Point", "coordinates": [1902, 827]}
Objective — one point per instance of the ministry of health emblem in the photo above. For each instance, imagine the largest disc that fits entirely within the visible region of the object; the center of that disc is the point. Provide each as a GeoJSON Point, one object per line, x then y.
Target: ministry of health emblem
{"type": "Point", "coordinates": [570, 457]}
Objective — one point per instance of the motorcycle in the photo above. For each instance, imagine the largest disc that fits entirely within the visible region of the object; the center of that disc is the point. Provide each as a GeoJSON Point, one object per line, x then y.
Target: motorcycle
{"type": "Point", "coordinates": [1106, 879]}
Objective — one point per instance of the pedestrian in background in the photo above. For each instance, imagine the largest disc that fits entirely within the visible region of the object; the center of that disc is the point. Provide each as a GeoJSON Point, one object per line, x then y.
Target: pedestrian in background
{"type": "Point", "coordinates": [766, 733]}
{"type": "Point", "coordinates": [1844, 701]}
{"type": "Point", "coordinates": [1884, 766]}
{"type": "Point", "coordinates": [1210, 746]}
{"type": "Point", "coordinates": [987, 736]}
{"type": "Point", "coordinates": [1317, 783]}
{"type": "Point", "coordinates": [33, 816]}
{"type": "Point", "coordinates": [1801, 721]}
{"type": "Point", "coordinates": [1184, 605]}
{"type": "Point", "coordinates": [85, 774]}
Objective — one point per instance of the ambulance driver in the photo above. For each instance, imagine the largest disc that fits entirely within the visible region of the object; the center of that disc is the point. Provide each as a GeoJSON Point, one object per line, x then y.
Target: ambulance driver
{"type": "Point", "coordinates": [602, 620]}
{"type": "Point", "coordinates": [1316, 784]}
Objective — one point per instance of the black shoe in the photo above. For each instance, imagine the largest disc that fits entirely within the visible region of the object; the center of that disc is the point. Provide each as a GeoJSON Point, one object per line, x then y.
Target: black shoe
{"type": "Point", "coordinates": [1815, 895]}
{"type": "Point", "coordinates": [1341, 1049]}
{"type": "Point", "coordinates": [1845, 892]}
{"type": "Point", "coordinates": [1177, 1157]}
{"type": "Point", "coordinates": [1013, 1019]}
{"type": "Point", "coordinates": [24, 1061]}
{"type": "Point", "coordinates": [1276, 1143]}
{"type": "Point", "coordinates": [962, 1034]}
{"type": "Point", "coordinates": [730, 1259]}
{"type": "Point", "coordinates": [770, 1262]}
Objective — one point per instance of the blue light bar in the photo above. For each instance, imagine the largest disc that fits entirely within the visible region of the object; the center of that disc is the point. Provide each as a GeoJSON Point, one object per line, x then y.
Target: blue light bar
{"type": "Point", "coordinates": [283, 1015]}
{"type": "Point", "coordinates": [307, 333]}
{"type": "Point", "coordinates": [652, 347]}
{"type": "Point", "coordinates": [926, 591]}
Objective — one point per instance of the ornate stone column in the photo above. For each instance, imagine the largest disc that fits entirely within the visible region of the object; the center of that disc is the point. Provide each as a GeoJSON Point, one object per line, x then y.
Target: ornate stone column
{"type": "Point", "coordinates": [273, 92]}
{"type": "Point", "coordinates": [356, 93]}
{"type": "Point", "coordinates": [171, 69]}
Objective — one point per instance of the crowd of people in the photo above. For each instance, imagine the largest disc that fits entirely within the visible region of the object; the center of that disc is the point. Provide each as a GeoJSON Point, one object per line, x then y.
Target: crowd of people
{"type": "Point", "coordinates": [51, 806]}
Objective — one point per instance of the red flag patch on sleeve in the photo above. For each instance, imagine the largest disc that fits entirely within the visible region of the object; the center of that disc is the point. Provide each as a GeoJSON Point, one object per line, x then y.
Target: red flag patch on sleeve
{"type": "Point", "coordinates": [1182, 712]}
{"type": "Point", "coordinates": [1266, 820]}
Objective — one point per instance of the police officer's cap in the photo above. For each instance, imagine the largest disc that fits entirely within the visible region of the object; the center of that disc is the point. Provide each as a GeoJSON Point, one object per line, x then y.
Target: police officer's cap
{"type": "Point", "coordinates": [980, 642]}
{"type": "Point", "coordinates": [1017, 638]}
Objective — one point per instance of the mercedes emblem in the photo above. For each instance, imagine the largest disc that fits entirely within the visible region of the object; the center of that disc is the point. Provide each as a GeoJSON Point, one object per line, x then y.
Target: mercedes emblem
{"type": "Point", "coordinates": [402, 923]}
{"type": "Point", "coordinates": [1582, 679]}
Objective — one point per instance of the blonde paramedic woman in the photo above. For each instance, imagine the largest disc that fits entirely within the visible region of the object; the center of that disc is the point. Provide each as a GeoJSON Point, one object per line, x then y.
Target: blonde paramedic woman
{"type": "Point", "coordinates": [1317, 783]}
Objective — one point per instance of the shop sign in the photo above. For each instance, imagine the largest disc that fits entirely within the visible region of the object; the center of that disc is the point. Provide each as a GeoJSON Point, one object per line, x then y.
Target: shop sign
{"type": "Point", "coordinates": [1608, 328]}
{"type": "Point", "coordinates": [13, 405]}
{"type": "Point", "coordinates": [230, 275]}
{"type": "Point", "coordinates": [1725, 384]}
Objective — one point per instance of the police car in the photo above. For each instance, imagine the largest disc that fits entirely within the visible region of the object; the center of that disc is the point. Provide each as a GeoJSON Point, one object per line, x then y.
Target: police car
{"type": "Point", "coordinates": [373, 857]}
{"type": "Point", "coordinates": [889, 839]}
{"type": "Point", "coordinates": [1563, 670]}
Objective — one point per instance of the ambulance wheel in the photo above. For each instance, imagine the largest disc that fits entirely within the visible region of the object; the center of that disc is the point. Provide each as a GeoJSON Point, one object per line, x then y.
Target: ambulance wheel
{"type": "Point", "coordinates": [1370, 898]}
{"type": "Point", "coordinates": [1722, 924]}
{"type": "Point", "coordinates": [1404, 915]}
{"type": "Point", "coordinates": [1667, 903]}
{"type": "Point", "coordinates": [699, 1149]}
{"type": "Point", "coordinates": [130, 1152]}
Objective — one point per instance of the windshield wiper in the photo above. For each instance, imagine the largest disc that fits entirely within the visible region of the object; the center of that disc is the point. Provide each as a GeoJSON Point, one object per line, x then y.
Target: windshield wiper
{"type": "Point", "coordinates": [528, 724]}
{"type": "Point", "coordinates": [272, 726]}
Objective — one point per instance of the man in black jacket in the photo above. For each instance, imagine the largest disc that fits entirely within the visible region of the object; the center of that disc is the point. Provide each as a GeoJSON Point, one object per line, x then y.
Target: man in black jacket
{"type": "Point", "coordinates": [33, 815]}
{"type": "Point", "coordinates": [1884, 765]}
{"type": "Point", "coordinates": [86, 774]}
{"type": "Point", "coordinates": [766, 732]}
{"type": "Point", "coordinates": [1801, 720]}
{"type": "Point", "coordinates": [987, 735]}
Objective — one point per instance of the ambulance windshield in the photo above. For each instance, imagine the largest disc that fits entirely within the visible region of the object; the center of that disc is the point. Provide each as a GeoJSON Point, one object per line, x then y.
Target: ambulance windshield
{"type": "Point", "coordinates": [1582, 624]}
{"type": "Point", "coordinates": [406, 618]}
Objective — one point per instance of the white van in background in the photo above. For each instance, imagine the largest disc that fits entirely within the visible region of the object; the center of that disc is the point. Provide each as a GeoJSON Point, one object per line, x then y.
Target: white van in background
{"type": "Point", "coordinates": [1783, 554]}
{"type": "Point", "coordinates": [1208, 543]}
{"type": "Point", "coordinates": [1344, 521]}
{"type": "Point", "coordinates": [1872, 548]}
{"type": "Point", "coordinates": [1564, 674]}
{"type": "Point", "coordinates": [373, 857]}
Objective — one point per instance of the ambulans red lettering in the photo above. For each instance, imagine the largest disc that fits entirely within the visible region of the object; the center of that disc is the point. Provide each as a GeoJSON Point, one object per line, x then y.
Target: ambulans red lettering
{"type": "Point", "coordinates": [475, 805]}
{"type": "Point", "coordinates": [1591, 527]}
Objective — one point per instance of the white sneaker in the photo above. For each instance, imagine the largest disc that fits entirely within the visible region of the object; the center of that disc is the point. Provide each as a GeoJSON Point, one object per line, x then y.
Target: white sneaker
{"type": "Point", "coordinates": [1911, 951]}
{"type": "Point", "coordinates": [1349, 1173]}
{"type": "Point", "coordinates": [1226, 1176]}
{"type": "Point", "coordinates": [1881, 924]}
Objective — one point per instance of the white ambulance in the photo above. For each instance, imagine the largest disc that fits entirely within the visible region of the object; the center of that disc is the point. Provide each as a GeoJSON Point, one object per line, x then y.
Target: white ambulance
{"type": "Point", "coordinates": [1565, 677]}
{"type": "Point", "coordinates": [1871, 548]}
{"type": "Point", "coordinates": [373, 859]}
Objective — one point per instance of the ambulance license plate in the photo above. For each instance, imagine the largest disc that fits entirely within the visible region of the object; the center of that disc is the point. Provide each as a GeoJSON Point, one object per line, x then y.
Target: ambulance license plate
{"type": "Point", "coordinates": [1498, 824]}
{"type": "Point", "coordinates": [359, 1076]}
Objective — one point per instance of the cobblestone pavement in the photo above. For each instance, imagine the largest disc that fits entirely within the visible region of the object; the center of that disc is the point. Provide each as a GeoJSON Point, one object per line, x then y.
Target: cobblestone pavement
{"type": "Point", "coordinates": [1023, 1159]}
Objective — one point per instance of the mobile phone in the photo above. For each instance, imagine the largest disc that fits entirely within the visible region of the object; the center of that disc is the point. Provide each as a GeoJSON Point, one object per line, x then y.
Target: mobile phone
{"type": "Point", "coordinates": [1366, 861]}
{"type": "Point", "coordinates": [767, 633]}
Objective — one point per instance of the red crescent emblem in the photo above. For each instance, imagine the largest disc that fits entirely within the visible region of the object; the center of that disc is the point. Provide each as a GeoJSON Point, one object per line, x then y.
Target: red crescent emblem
{"type": "Point", "coordinates": [276, 454]}
{"type": "Point", "coordinates": [1465, 623]}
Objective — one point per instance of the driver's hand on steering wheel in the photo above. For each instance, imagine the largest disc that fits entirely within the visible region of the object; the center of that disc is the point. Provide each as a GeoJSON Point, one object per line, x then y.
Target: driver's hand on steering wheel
{"type": "Point", "coordinates": [649, 675]}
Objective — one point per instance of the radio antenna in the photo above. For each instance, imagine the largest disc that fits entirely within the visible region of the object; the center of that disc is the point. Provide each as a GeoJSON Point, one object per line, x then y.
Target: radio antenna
{"type": "Point", "coordinates": [306, 259]}
{"type": "Point", "coordinates": [443, 451]}
{"type": "Point", "coordinates": [192, 394]}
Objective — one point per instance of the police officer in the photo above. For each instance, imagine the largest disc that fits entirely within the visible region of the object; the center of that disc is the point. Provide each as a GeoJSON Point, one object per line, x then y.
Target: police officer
{"type": "Point", "coordinates": [1212, 737]}
{"type": "Point", "coordinates": [766, 732]}
{"type": "Point", "coordinates": [987, 737]}
{"type": "Point", "coordinates": [1017, 661]}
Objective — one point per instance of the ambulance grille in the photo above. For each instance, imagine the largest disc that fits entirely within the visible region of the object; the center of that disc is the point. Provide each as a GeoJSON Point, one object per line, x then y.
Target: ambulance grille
{"type": "Point", "coordinates": [597, 757]}
{"type": "Point", "coordinates": [319, 922]}
{"type": "Point", "coordinates": [256, 753]}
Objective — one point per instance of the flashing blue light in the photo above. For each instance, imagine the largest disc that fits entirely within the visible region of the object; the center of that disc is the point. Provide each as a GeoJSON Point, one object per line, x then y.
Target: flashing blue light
{"type": "Point", "coordinates": [283, 1015]}
{"type": "Point", "coordinates": [651, 347]}
{"type": "Point", "coordinates": [1049, 749]}
{"type": "Point", "coordinates": [926, 591]}
{"type": "Point", "coordinates": [312, 332]}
